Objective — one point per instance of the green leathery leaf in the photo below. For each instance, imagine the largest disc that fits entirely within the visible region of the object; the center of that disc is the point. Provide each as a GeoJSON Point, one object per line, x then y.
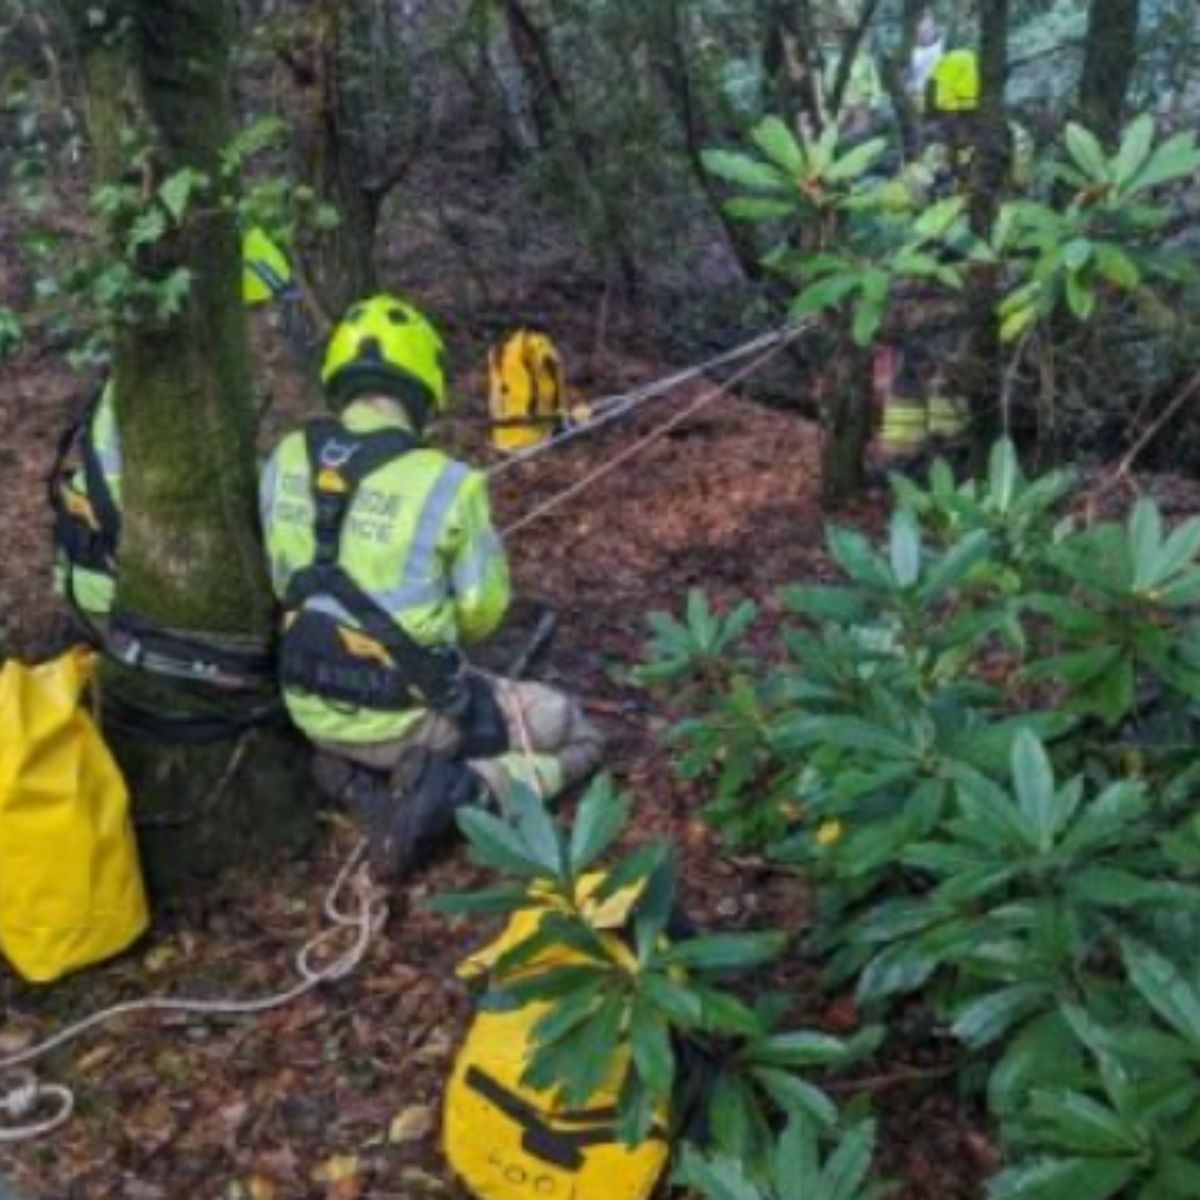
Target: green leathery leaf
{"type": "Point", "coordinates": [798, 1164]}
{"type": "Point", "coordinates": [1037, 797]}
{"type": "Point", "coordinates": [796, 1097]}
{"type": "Point", "coordinates": [905, 545]}
{"type": "Point", "coordinates": [779, 144]}
{"type": "Point", "coordinates": [744, 170]}
{"type": "Point", "coordinates": [992, 1016]}
{"type": "Point", "coordinates": [850, 1163]}
{"type": "Point", "coordinates": [1082, 1125]}
{"type": "Point", "coordinates": [1164, 988]}
{"type": "Point", "coordinates": [650, 1040]}
{"type": "Point", "coordinates": [1060, 1178]}
{"type": "Point", "coordinates": [494, 843]}
{"type": "Point", "coordinates": [601, 817]}
{"type": "Point", "coordinates": [727, 951]}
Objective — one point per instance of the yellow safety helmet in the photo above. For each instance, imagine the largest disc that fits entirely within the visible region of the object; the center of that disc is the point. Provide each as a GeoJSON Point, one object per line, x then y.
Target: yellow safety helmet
{"type": "Point", "coordinates": [386, 346]}
{"type": "Point", "coordinates": [956, 82]}
{"type": "Point", "coordinates": [266, 272]}
{"type": "Point", "coordinates": [526, 390]}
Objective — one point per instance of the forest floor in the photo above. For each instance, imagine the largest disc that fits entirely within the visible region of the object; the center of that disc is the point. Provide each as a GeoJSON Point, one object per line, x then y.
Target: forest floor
{"type": "Point", "coordinates": [337, 1095]}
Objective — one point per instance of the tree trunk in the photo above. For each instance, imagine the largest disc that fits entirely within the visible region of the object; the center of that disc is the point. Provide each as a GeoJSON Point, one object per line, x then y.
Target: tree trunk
{"type": "Point", "coordinates": [1109, 61]}
{"type": "Point", "coordinates": [669, 54]}
{"type": "Point", "coordinates": [190, 560]}
{"type": "Point", "coordinates": [790, 62]}
{"type": "Point", "coordinates": [895, 71]}
{"type": "Point", "coordinates": [554, 110]}
{"type": "Point", "coordinates": [847, 417]}
{"type": "Point", "coordinates": [336, 131]}
{"type": "Point", "coordinates": [981, 378]}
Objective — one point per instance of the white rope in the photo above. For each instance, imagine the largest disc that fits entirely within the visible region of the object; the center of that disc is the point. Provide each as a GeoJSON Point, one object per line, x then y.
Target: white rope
{"type": "Point", "coordinates": [366, 918]}
{"type": "Point", "coordinates": [612, 408]}
{"type": "Point", "coordinates": [557, 499]}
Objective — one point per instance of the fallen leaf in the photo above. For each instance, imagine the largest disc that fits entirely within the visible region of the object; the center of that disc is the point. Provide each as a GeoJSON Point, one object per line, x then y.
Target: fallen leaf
{"type": "Point", "coordinates": [412, 1124]}
{"type": "Point", "coordinates": [436, 1048]}
{"type": "Point", "coordinates": [161, 957]}
{"type": "Point", "coordinates": [94, 1058]}
{"type": "Point", "coordinates": [259, 1187]}
{"type": "Point", "coordinates": [421, 1183]}
{"type": "Point", "coordinates": [343, 1177]}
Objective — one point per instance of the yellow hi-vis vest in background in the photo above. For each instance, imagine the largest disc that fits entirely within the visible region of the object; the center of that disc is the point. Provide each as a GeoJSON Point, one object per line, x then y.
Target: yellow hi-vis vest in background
{"type": "Point", "coordinates": [504, 1140]}
{"type": "Point", "coordinates": [88, 509]}
{"type": "Point", "coordinates": [526, 390]}
{"type": "Point", "coordinates": [71, 889]}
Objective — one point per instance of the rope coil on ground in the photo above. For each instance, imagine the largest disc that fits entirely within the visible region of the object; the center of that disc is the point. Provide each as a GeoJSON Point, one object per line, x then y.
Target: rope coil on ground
{"type": "Point", "coordinates": [364, 920]}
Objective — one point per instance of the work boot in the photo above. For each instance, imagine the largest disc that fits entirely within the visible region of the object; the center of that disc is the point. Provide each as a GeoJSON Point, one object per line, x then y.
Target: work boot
{"type": "Point", "coordinates": [366, 794]}
{"type": "Point", "coordinates": [427, 791]}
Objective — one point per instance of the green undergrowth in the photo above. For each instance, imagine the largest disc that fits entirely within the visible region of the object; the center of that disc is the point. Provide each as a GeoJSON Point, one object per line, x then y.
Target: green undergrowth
{"type": "Point", "coordinates": [979, 747]}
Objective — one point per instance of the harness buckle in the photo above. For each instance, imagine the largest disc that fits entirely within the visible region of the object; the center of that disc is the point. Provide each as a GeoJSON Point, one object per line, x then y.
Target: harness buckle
{"type": "Point", "coordinates": [335, 454]}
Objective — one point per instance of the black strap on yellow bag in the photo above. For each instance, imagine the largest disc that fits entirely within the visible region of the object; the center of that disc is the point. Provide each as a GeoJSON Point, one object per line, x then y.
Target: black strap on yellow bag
{"type": "Point", "coordinates": [506, 1141]}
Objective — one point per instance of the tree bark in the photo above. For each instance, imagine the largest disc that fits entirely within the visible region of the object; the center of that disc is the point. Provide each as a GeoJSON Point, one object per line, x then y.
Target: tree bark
{"type": "Point", "coordinates": [555, 110]}
{"type": "Point", "coordinates": [981, 378]}
{"type": "Point", "coordinates": [1109, 60]}
{"type": "Point", "coordinates": [790, 62]}
{"type": "Point", "coordinates": [847, 417]}
{"type": "Point", "coordinates": [190, 559]}
{"type": "Point", "coordinates": [339, 147]}
{"type": "Point", "coordinates": [670, 58]}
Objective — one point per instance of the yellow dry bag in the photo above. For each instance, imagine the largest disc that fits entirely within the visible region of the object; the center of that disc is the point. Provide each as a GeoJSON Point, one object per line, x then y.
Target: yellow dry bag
{"type": "Point", "coordinates": [526, 390]}
{"type": "Point", "coordinates": [71, 890]}
{"type": "Point", "coordinates": [506, 1141]}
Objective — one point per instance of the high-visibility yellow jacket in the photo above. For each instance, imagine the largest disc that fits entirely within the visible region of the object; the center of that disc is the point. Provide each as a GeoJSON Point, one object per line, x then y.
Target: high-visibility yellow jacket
{"type": "Point", "coordinates": [91, 493]}
{"type": "Point", "coordinates": [418, 539]}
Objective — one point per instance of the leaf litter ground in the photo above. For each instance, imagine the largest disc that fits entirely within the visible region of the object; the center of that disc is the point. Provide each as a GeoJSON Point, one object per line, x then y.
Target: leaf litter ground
{"type": "Point", "coordinates": [337, 1095]}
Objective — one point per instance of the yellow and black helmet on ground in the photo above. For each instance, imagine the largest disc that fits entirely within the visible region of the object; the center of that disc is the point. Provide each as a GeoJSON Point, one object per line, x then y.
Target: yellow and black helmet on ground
{"type": "Point", "coordinates": [955, 82]}
{"type": "Point", "coordinates": [386, 347]}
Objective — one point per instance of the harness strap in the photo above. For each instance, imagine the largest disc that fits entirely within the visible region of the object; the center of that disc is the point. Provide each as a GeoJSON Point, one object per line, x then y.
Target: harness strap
{"type": "Point", "coordinates": [101, 525]}
{"type": "Point", "coordinates": [139, 643]}
{"type": "Point", "coordinates": [339, 461]}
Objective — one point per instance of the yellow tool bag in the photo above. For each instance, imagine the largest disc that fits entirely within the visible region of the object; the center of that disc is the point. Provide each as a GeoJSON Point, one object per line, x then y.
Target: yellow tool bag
{"type": "Point", "coordinates": [527, 394]}
{"type": "Point", "coordinates": [71, 891]}
{"type": "Point", "coordinates": [506, 1141]}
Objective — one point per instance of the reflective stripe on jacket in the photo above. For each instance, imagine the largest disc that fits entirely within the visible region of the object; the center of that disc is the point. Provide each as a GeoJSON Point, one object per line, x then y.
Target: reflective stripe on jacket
{"type": "Point", "coordinates": [418, 540]}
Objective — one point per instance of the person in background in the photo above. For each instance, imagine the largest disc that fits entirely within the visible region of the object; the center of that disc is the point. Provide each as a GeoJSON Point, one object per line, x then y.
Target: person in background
{"type": "Point", "coordinates": [927, 53]}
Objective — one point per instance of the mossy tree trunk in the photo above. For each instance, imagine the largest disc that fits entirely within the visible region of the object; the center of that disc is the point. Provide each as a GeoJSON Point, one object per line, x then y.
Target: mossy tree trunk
{"type": "Point", "coordinates": [1109, 61]}
{"type": "Point", "coordinates": [159, 102]}
{"type": "Point", "coordinates": [359, 129]}
{"type": "Point", "coordinates": [980, 377]}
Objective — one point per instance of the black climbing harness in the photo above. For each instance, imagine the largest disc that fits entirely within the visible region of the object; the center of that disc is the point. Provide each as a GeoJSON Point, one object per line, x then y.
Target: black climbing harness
{"type": "Point", "coordinates": [367, 660]}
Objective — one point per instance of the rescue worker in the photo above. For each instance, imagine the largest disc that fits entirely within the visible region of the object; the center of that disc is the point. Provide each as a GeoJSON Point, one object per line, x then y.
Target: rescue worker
{"type": "Point", "coordinates": [386, 564]}
{"type": "Point", "coordinates": [86, 498]}
{"type": "Point", "coordinates": [950, 133]}
{"type": "Point", "coordinates": [927, 52]}
{"type": "Point", "coordinates": [919, 407]}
